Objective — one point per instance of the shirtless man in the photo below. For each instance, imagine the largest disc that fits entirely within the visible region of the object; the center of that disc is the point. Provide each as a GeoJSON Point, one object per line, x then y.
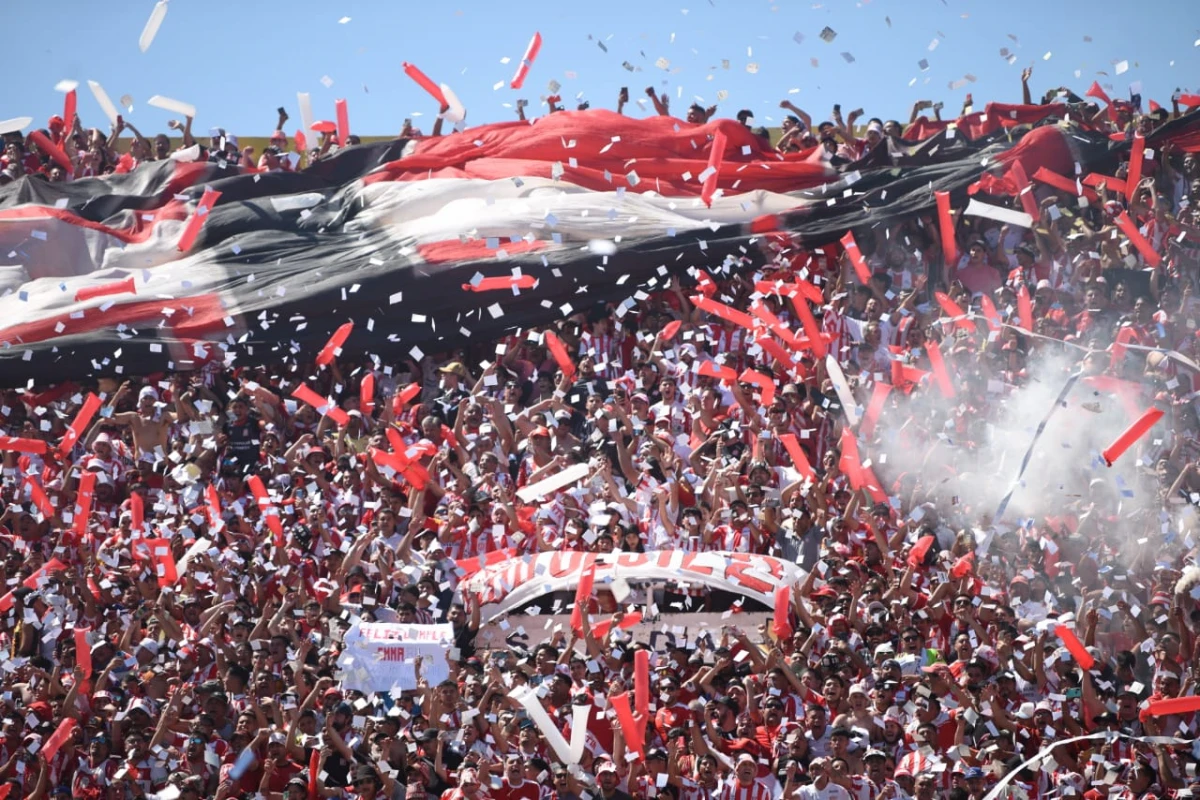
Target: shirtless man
{"type": "Point", "coordinates": [150, 425]}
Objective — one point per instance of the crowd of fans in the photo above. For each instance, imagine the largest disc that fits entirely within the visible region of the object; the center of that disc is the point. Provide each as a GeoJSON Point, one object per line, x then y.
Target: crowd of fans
{"type": "Point", "coordinates": [917, 666]}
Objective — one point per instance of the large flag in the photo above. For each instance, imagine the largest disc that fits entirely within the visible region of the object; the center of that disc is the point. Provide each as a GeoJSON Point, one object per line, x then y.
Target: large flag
{"type": "Point", "coordinates": [593, 205]}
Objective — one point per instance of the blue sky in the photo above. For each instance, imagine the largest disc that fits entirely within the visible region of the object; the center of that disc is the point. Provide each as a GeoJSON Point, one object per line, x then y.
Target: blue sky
{"type": "Point", "coordinates": [238, 62]}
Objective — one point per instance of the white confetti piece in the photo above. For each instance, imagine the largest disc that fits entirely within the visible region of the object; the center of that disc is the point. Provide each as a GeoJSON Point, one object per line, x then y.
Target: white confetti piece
{"type": "Point", "coordinates": [343, 20]}
{"type": "Point", "coordinates": [752, 68]}
{"type": "Point", "coordinates": [933, 45]}
{"type": "Point", "coordinates": [849, 58]}
{"type": "Point", "coordinates": [828, 34]}
{"type": "Point", "coordinates": [326, 81]}
{"type": "Point", "coordinates": [1122, 67]}
{"type": "Point", "coordinates": [798, 37]}
{"type": "Point", "coordinates": [1047, 56]}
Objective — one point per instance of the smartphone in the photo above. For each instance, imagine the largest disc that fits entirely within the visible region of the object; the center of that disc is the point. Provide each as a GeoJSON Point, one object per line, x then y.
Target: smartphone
{"type": "Point", "coordinates": [280, 110]}
{"type": "Point", "coordinates": [407, 122]}
{"type": "Point", "coordinates": [837, 108]}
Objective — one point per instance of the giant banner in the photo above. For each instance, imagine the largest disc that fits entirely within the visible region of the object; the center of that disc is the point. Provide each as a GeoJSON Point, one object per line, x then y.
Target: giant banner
{"type": "Point", "coordinates": [385, 656]}
{"type": "Point", "coordinates": [507, 585]}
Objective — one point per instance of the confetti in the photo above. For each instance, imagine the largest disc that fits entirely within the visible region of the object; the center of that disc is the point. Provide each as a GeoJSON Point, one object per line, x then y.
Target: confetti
{"type": "Point", "coordinates": [828, 34]}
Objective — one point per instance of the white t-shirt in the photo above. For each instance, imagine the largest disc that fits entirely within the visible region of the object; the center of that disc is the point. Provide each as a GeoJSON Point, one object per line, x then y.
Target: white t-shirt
{"type": "Point", "coordinates": [831, 792]}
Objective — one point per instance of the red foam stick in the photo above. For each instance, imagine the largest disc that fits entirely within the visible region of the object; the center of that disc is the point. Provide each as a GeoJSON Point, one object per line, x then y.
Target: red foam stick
{"type": "Point", "coordinates": [16, 444]}
{"type": "Point", "coordinates": [1127, 392]}
{"type": "Point", "coordinates": [1134, 432]}
{"type": "Point", "coordinates": [324, 126]}
{"type": "Point", "coordinates": [856, 258]}
{"type": "Point", "coordinates": [723, 311]}
{"type": "Point", "coordinates": [52, 150]}
{"type": "Point", "coordinates": [323, 405]}
{"type": "Point", "coordinates": [561, 357]}
{"type": "Point", "coordinates": [425, 83]}
{"type": "Point", "coordinates": [850, 463]}
{"type": "Point", "coordinates": [1062, 183]}
{"type": "Point", "coordinates": [57, 739]}
{"type": "Point", "coordinates": [1189, 100]}
{"type": "Point", "coordinates": [195, 222]}
{"type": "Point", "coordinates": [301, 141]}
{"type": "Point", "coordinates": [32, 582]}
{"type": "Point", "coordinates": [634, 734]}
{"type": "Point", "coordinates": [601, 628]}
{"type": "Point", "coordinates": [711, 369]}
{"type": "Point", "coordinates": [641, 684]}
{"type": "Point", "coordinates": [962, 567]}
{"type": "Point", "coordinates": [1124, 337]}
{"type": "Point", "coordinates": [164, 562]}
{"type": "Point", "coordinates": [531, 54]}
{"type": "Point", "coordinates": [1024, 190]}
{"type": "Point", "coordinates": [366, 394]}
{"type": "Point", "coordinates": [91, 405]}
{"type": "Point", "coordinates": [1095, 91]}
{"type": "Point", "coordinates": [274, 524]}
{"type": "Point", "coordinates": [671, 328]}
{"type": "Point", "coordinates": [989, 312]}
{"type": "Point", "coordinates": [1143, 246]}
{"type": "Point", "coordinates": [811, 330]}
{"type": "Point", "coordinates": [1095, 179]}
{"type": "Point", "coordinates": [716, 157]}
{"type": "Point", "coordinates": [314, 770]}
{"type": "Point", "coordinates": [334, 346]}
{"type": "Point", "coordinates": [953, 310]}
{"type": "Point", "coordinates": [38, 495]}
{"type": "Point", "coordinates": [83, 652]}
{"type": "Point", "coordinates": [916, 556]}
{"type": "Point", "coordinates": [776, 351]}
{"type": "Point", "coordinates": [760, 310]}
{"type": "Point", "coordinates": [69, 104]}
{"type": "Point", "coordinates": [765, 384]}
{"type": "Point", "coordinates": [1173, 705]}
{"type": "Point", "coordinates": [799, 460]}
{"type": "Point", "coordinates": [1024, 308]}
{"type": "Point", "coordinates": [137, 512]}
{"type": "Point", "coordinates": [106, 290]}
{"type": "Point", "coordinates": [781, 625]}
{"type": "Point", "coordinates": [583, 596]}
{"type": "Point", "coordinates": [946, 226]}
{"type": "Point", "coordinates": [214, 505]}
{"type": "Point", "coordinates": [495, 284]}
{"type": "Point", "coordinates": [940, 376]}
{"type": "Point", "coordinates": [404, 397]}
{"type": "Point", "coordinates": [83, 502]}
{"type": "Point", "coordinates": [879, 395]}
{"type": "Point", "coordinates": [343, 122]}
{"type": "Point", "coordinates": [1075, 647]}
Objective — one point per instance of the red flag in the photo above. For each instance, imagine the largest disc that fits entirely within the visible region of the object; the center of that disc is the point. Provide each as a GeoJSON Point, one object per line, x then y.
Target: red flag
{"type": "Point", "coordinates": [781, 626]}
{"type": "Point", "coordinates": [716, 156]}
{"type": "Point", "coordinates": [192, 229]}
{"type": "Point", "coordinates": [334, 345]}
{"type": "Point", "coordinates": [1135, 431]}
{"type": "Point", "coordinates": [856, 258]}
{"type": "Point", "coordinates": [91, 405]}
{"type": "Point", "coordinates": [946, 227]}
{"type": "Point", "coordinates": [58, 739]}
{"type": "Point", "coordinates": [1070, 641]}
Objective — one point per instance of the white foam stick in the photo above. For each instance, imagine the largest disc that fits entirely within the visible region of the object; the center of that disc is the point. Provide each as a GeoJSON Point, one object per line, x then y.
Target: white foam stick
{"type": "Point", "coordinates": [305, 103]}
{"type": "Point", "coordinates": [455, 113]}
{"type": "Point", "coordinates": [168, 104]}
{"type": "Point", "coordinates": [201, 546]}
{"type": "Point", "coordinates": [106, 105]}
{"type": "Point", "coordinates": [579, 726]}
{"type": "Point", "coordinates": [1002, 215]}
{"type": "Point", "coordinates": [528, 699]}
{"type": "Point", "coordinates": [15, 125]}
{"type": "Point", "coordinates": [838, 379]}
{"type": "Point", "coordinates": [65, 86]}
{"type": "Point", "coordinates": [152, 25]}
{"type": "Point", "coordinates": [555, 482]}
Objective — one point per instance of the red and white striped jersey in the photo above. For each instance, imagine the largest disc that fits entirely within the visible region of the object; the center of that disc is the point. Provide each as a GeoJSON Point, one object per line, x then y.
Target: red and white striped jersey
{"type": "Point", "coordinates": [734, 790]}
